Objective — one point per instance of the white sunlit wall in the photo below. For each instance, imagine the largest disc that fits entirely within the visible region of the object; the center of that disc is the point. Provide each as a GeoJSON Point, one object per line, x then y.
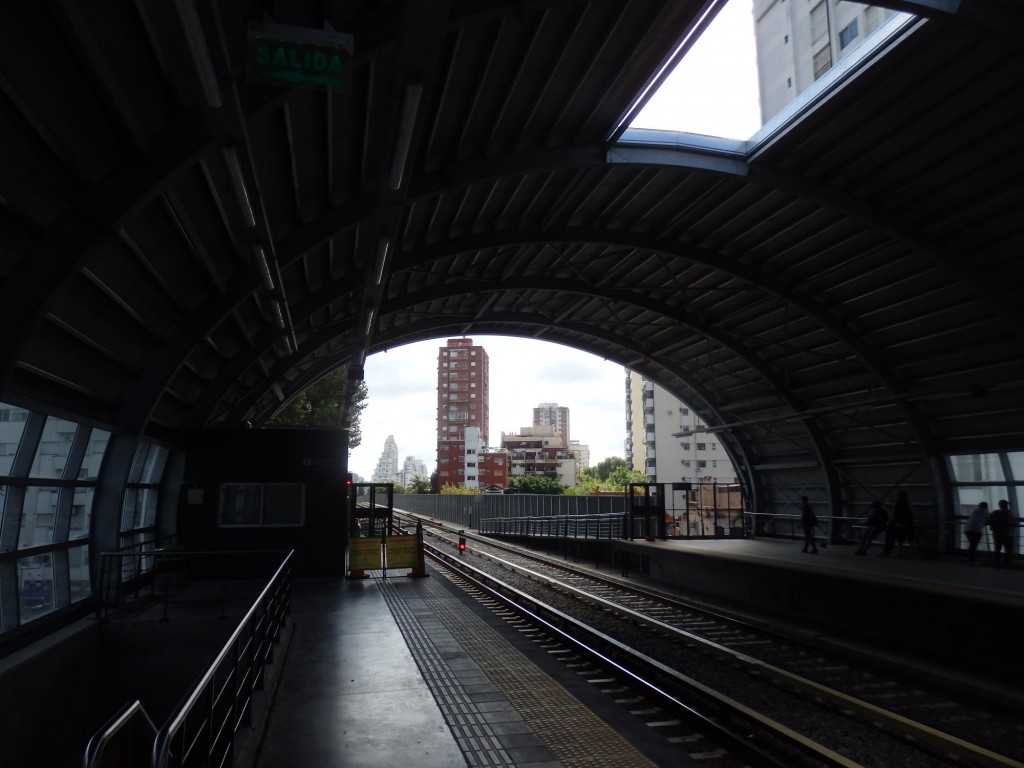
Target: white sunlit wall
{"type": "Point", "coordinates": [49, 472]}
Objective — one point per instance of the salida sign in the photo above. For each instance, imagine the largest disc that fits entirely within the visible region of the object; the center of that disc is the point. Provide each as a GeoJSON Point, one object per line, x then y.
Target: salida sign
{"type": "Point", "coordinates": [298, 57]}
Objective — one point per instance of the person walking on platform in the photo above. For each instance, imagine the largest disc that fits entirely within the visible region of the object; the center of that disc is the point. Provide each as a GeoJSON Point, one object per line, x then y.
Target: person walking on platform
{"type": "Point", "coordinates": [974, 526]}
{"type": "Point", "coordinates": [1002, 523]}
{"type": "Point", "coordinates": [877, 521]}
{"type": "Point", "coordinates": [901, 526]}
{"type": "Point", "coordinates": [809, 522]}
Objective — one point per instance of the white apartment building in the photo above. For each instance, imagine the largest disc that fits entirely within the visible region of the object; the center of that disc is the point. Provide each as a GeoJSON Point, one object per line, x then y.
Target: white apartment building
{"type": "Point", "coordinates": [582, 455]}
{"type": "Point", "coordinates": [387, 464]}
{"type": "Point", "coordinates": [666, 438]}
{"type": "Point", "coordinates": [798, 41]}
{"type": "Point", "coordinates": [412, 468]}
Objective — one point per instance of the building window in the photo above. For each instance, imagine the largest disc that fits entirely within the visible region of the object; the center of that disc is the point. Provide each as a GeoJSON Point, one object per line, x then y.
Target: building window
{"type": "Point", "coordinates": [686, 446]}
{"type": "Point", "coordinates": [848, 34]}
{"type": "Point", "coordinates": [702, 464]}
{"type": "Point", "coordinates": [819, 24]}
{"type": "Point", "coordinates": [702, 446]}
{"type": "Point", "coordinates": [822, 62]}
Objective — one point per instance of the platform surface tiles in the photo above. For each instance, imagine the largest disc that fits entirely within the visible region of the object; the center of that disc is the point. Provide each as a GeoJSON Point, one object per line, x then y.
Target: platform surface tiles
{"type": "Point", "coordinates": [404, 672]}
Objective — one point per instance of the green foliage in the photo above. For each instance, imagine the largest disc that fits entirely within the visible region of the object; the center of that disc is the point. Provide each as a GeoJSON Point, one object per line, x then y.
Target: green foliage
{"type": "Point", "coordinates": [621, 476]}
{"type": "Point", "coordinates": [459, 490]}
{"type": "Point", "coordinates": [400, 489]}
{"type": "Point", "coordinates": [419, 485]}
{"type": "Point", "coordinates": [321, 405]}
{"type": "Point", "coordinates": [612, 474]}
{"type": "Point", "coordinates": [537, 484]}
{"type": "Point", "coordinates": [605, 468]}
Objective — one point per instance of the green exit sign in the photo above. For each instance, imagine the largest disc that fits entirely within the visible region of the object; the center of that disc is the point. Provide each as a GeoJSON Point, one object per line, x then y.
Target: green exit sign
{"type": "Point", "coordinates": [298, 57]}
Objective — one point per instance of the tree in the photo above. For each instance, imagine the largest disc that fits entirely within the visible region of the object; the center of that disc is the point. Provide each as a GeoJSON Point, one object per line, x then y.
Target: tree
{"type": "Point", "coordinates": [622, 476]}
{"type": "Point", "coordinates": [419, 485]}
{"type": "Point", "coordinates": [605, 467]}
{"type": "Point", "coordinates": [321, 405]}
{"type": "Point", "coordinates": [459, 490]}
{"type": "Point", "coordinates": [537, 484]}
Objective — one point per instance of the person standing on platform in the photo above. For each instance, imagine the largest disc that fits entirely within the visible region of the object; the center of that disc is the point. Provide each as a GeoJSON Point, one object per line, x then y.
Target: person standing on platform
{"type": "Point", "coordinates": [901, 526]}
{"type": "Point", "coordinates": [1002, 522]}
{"type": "Point", "coordinates": [809, 522]}
{"type": "Point", "coordinates": [877, 521]}
{"type": "Point", "coordinates": [973, 528]}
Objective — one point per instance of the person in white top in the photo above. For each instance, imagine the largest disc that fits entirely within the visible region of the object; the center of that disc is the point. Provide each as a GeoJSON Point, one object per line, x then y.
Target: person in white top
{"type": "Point", "coordinates": [973, 529]}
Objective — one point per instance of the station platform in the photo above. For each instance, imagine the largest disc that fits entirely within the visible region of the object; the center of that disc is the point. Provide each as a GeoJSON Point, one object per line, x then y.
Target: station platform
{"type": "Point", "coordinates": [403, 671]}
{"type": "Point", "coordinates": [940, 610]}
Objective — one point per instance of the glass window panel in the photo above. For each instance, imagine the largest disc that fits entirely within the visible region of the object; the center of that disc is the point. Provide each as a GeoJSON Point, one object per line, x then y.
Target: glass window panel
{"type": "Point", "coordinates": [12, 425]}
{"type": "Point", "coordinates": [81, 513]}
{"type": "Point", "coordinates": [35, 586]}
{"type": "Point", "coordinates": [153, 469]}
{"type": "Point", "coordinates": [128, 510]}
{"type": "Point", "coordinates": [240, 505]}
{"type": "Point", "coordinates": [135, 474]}
{"type": "Point", "coordinates": [977, 468]}
{"type": "Point", "coordinates": [78, 570]}
{"type": "Point", "coordinates": [94, 452]}
{"type": "Point", "coordinates": [145, 508]}
{"type": "Point", "coordinates": [54, 447]}
{"type": "Point", "coordinates": [39, 511]}
{"type": "Point", "coordinates": [1017, 466]}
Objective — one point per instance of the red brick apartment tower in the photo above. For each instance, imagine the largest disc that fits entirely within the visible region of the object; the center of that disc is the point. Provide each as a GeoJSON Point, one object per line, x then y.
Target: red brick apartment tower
{"type": "Point", "coordinates": [463, 386]}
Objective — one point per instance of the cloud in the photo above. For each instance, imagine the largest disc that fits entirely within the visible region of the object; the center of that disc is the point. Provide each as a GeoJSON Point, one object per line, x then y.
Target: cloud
{"type": "Point", "coordinates": [402, 401]}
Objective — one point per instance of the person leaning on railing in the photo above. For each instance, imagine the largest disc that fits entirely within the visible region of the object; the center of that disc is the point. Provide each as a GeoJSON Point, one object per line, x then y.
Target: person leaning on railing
{"type": "Point", "coordinates": [1002, 523]}
{"type": "Point", "coordinates": [974, 526]}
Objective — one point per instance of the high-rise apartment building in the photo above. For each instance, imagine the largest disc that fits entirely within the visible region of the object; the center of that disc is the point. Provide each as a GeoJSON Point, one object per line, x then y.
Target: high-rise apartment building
{"type": "Point", "coordinates": [387, 464]}
{"type": "Point", "coordinates": [462, 401]}
{"type": "Point", "coordinates": [798, 42]}
{"type": "Point", "coordinates": [552, 415]}
{"type": "Point", "coordinates": [666, 438]}
{"type": "Point", "coordinates": [412, 468]}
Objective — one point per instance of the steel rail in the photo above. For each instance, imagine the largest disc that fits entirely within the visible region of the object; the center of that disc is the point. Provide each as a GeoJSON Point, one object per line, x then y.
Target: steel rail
{"type": "Point", "coordinates": [518, 601]}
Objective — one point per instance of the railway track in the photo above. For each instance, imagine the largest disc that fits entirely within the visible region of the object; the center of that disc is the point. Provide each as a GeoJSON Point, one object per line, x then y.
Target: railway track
{"type": "Point", "coordinates": [822, 707]}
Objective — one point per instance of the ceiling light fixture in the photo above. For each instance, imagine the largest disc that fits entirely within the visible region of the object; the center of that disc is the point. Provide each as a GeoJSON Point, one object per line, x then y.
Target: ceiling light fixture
{"type": "Point", "coordinates": [382, 260]}
{"type": "Point", "coordinates": [261, 262]}
{"type": "Point", "coordinates": [238, 182]}
{"type": "Point", "coordinates": [278, 314]}
{"type": "Point", "coordinates": [410, 104]}
{"type": "Point", "coordinates": [196, 40]}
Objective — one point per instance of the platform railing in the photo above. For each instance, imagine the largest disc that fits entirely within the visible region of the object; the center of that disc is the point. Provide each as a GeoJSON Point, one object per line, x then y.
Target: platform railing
{"type": "Point", "coordinates": [602, 526]}
{"type": "Point", "coordinates": [202, 732]}
{"type": "Point", "coordinates": [125, 741]}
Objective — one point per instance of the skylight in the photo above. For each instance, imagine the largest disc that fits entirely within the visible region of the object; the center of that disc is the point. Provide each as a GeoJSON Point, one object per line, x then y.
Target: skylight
{"type": "Point", "coordinates": [713, 90]}
{"type": "Point", "coordinates": [758, 57]}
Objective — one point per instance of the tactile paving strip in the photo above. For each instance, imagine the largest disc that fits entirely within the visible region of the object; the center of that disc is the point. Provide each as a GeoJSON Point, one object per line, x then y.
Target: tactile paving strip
{"type": "Point", "coordinates": [484, 728]}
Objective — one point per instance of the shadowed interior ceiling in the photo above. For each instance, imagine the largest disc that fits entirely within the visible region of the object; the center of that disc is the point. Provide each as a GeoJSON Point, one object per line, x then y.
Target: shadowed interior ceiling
{"type": "Point", "coordinates": [840, 298]}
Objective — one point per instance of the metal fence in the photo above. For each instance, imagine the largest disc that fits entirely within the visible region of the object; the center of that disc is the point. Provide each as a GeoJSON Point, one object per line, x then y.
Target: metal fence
{"type": "Point", "coordinates": [469, 511]}
{"type": "Point", "coordinates": [561, 526]}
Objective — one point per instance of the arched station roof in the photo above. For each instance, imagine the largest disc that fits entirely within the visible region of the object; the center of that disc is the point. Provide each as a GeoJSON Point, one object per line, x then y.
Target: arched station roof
{"type": "Point", "coordinates": [840, 296]}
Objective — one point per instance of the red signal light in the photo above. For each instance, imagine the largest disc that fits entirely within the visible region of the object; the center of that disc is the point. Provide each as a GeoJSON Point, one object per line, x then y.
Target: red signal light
{"type": "Point", "coordinates": [462, 544]}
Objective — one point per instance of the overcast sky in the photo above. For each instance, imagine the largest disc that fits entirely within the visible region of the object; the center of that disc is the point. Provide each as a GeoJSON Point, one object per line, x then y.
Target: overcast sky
{"type": "Point", "coordinates": [713, 91]}
{"type": "Point", "coordinates": [402, 400]}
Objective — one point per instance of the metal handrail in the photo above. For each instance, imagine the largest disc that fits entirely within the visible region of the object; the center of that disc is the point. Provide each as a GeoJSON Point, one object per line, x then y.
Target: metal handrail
{"type": "Point", "coordinates": [222, 699]}
{"type": "Point", "coordinates": [95, 750]}
{"type": "Point", "coordinates": [597, 526]}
